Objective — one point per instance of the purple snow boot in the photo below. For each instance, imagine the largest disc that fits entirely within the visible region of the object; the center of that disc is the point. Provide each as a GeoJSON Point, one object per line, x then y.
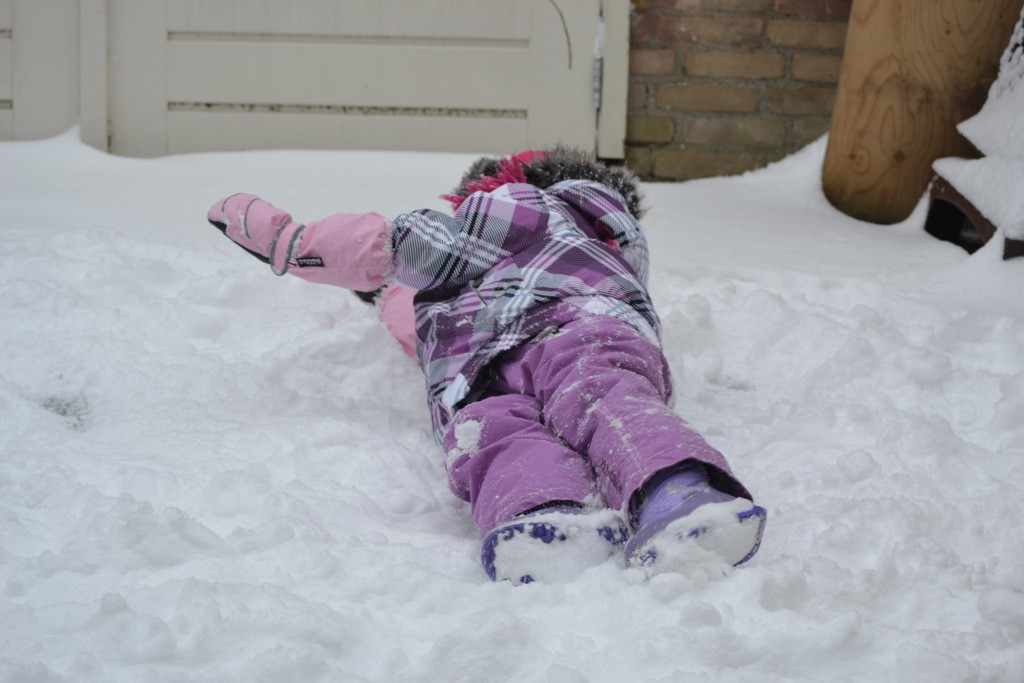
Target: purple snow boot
{"type": "Point", "coordinates": [683, 517]}
{"type": "Point", "coordinates": [552, 545]}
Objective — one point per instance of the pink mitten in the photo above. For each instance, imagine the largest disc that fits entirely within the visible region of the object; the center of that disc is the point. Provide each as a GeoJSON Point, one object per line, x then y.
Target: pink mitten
{"type": "Point", "coordinates": [262, 229]}
{"type": "Point", "coordinates": [351, 250]}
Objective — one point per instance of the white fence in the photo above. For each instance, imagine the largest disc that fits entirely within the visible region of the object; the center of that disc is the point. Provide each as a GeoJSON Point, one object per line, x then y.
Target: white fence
{"type": "Point", "coordinates": [155, 77]}
{"type": "Point", "coordinates": [38, 67]}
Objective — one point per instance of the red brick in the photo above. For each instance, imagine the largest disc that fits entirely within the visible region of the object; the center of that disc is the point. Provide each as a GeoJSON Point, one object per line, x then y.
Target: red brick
{"type": "Point", "coordinates": [801, 101]}
{"type": "Point", "coordinates": [709, 31]}
{"type": "Point", "coordinates": [679, 5]}
{"type": "Point", "coordinates": [636, 99]}
{"type": "Point", "coordinates": [828, 9]}
{"type": "Point", "coordinates": [650, 129]}
{"type": "Point", "coordinates": [686, 164]}
{"type": "Point", "coordinates": [806, 131]}
{"type": "Point", "coordinates": [652, 62]}
{"type": "Point", "coordinates": [642, 28]}
{"type": "Point", "coordinates": [736, 5]}
{"type": "Point", "coordinates": [694, 6]}
{"type": "Point", "coordinates": [726, 98]}
{"type": "Point", "coordinates": [735, 132]}
{"type": "Point", "coordinates": [806, 34]}
{"type": "Point", "coordinates": [736, 64]}
{"type": "Point", "coordinates": [819, 68]}
{"type": "Point", "coordinates": [638, 159]}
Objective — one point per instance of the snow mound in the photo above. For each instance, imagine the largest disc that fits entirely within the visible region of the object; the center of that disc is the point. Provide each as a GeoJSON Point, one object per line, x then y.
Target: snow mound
{"type": "Point", "coordinates": [208, 473]}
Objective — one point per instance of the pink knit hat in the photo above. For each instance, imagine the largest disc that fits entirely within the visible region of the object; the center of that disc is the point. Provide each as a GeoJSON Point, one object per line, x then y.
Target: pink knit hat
{"type": "Point", "coordinates": [544, 168]}
{"type": "Point", "coordinates": [509, 170]}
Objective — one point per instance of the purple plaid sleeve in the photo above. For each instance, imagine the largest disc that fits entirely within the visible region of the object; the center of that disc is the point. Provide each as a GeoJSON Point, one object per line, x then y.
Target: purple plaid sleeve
{"type": "Point", "coordinates": [436, 251]}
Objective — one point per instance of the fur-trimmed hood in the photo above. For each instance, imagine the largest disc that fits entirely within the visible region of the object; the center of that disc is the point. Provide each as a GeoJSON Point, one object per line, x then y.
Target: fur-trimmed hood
{"type": "Point", "coordinates": [545, 168]}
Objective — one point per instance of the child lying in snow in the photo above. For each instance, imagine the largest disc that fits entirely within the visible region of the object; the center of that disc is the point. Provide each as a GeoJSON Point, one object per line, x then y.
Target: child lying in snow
{"type": "Point", "coordinates": [549, 393]}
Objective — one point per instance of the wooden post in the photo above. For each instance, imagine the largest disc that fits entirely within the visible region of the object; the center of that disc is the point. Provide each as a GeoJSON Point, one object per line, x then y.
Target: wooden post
{"type": "Point", "coordinates": [912, 70]}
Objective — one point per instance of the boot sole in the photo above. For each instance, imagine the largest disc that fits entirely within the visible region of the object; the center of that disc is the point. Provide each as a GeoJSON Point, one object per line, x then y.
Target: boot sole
{"type": "Point", "coordinates": [552, 547]}
{"type": "Point", "coordinates": [731, 530]}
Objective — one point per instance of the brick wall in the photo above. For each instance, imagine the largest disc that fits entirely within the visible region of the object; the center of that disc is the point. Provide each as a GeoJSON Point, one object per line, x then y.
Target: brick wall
{"type": "Point", "coordinates": [719, 87]}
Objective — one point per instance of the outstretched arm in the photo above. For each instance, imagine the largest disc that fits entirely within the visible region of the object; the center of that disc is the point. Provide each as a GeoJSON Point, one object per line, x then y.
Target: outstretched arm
{"type": "Point", "coordinates": [347, 250]}
{"type": "Point", "coordinates": [436, 251]}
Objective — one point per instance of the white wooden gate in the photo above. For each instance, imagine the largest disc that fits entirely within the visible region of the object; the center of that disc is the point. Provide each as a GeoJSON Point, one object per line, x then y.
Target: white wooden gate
{"type": "Point", "coordinates": [170, 76]}
{"type": "Point", "coordinates": [6, 73]}
{"type": "Point", "coordinates": [38, 68]}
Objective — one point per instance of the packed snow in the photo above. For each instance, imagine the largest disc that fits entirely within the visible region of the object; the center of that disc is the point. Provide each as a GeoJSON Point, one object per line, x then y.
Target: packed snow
{"type": "Point", "coordinates": [209, 473]}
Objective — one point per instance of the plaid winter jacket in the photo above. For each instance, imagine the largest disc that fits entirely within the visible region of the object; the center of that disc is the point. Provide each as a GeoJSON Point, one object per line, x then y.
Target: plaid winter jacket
{"type": "Point", "coordinates": [510, 265]}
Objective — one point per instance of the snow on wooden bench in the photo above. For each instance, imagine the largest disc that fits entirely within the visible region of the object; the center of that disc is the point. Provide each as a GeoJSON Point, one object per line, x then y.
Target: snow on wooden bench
{"type": "Point", "coordinates": [972, 200]}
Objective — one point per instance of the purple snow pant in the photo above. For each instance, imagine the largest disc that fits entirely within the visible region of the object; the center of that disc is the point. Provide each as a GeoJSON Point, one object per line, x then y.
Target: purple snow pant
{"type": "Point", "coordinates": [581, 412]}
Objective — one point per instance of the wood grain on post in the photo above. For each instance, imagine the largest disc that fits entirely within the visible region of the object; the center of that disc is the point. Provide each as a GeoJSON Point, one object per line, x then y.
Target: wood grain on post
{"type": "Point", "coordinates": [912, 70]}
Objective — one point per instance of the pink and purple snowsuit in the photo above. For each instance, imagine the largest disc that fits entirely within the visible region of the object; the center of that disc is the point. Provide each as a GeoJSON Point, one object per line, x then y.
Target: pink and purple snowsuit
{"type": "Point", "coordinates": [540, 347]}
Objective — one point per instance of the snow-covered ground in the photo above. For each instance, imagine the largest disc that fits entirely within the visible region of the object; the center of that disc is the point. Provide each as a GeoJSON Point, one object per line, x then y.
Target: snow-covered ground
{"type": "Point", "coordinates": [208, 473]}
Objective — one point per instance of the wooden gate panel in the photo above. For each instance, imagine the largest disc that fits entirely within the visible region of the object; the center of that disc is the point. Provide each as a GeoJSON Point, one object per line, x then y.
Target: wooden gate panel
{"type": "Point", "coordinates": [561, 101]}
{"type": "Point", "coordinates": [38, 68]}
{"type": "Point", "coordinates": [483, 20]}
{"type": "Point", "coordinates": [6, 72]}
{"type": "Point", "coordinates": [189, 131]}
{"type": "Point", "coordinates": [432, 75]}
{"type": "Point", "coordinates": [203, 72]}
